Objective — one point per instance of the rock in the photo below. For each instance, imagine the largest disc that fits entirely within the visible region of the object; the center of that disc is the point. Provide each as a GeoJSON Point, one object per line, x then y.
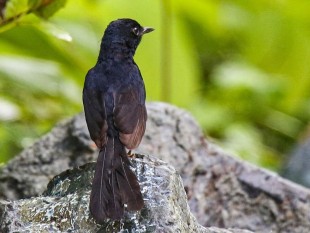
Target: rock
{"type": "Point", "coordinates": [64, 205]}
{"type": "Point", "coordinates": [67, 145]}
{"type": "Point", "coordinates": [222, 190]}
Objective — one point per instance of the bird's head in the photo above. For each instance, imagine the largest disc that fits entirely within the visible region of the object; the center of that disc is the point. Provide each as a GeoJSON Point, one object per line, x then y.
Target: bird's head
{"type": "Point", "coordinates": [125, 31]}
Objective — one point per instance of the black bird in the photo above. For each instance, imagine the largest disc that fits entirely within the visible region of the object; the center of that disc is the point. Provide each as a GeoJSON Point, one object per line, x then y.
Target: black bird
{"type": "Point", "coordinates": [114, 105]}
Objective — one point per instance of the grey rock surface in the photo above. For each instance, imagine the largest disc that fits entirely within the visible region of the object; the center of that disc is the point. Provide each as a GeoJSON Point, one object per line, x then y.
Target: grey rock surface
{"type": "Point", "coordinates": [64, 205]}
{"type": "Point", "coordinates": [222, 191]}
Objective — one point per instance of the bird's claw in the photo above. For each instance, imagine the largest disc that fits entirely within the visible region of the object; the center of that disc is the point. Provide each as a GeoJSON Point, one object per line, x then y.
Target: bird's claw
{"type": "Point", "coordinates": [130, 154]}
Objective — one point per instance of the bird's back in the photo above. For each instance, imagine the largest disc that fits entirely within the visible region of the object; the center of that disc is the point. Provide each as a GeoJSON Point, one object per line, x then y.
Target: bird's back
{"type": "Point", "coordinates": [115, 76]}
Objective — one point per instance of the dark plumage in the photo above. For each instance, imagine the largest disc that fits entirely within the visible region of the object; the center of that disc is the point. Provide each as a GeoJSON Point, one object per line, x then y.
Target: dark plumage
{"type": "Point", "coordinates": [114, 105]}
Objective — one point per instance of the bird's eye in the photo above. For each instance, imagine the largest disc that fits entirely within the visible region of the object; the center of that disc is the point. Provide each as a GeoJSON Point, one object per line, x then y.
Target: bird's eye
{"type": "Point", "coordinates": [135, 31]}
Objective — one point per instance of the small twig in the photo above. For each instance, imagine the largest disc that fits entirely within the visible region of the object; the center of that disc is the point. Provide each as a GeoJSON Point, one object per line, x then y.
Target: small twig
{"type": "Point", "coordinates": [14, 18]}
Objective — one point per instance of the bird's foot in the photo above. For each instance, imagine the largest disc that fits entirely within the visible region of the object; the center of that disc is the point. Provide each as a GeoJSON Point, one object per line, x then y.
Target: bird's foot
{"type": "Point", "coordinates": [131, 155]}
{"type": "Point", "coordinates": [93, 146]}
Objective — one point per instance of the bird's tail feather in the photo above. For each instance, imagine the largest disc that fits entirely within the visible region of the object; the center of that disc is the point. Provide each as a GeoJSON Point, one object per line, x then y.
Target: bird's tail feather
{"type": "Point", "coordinates": [114, 184]}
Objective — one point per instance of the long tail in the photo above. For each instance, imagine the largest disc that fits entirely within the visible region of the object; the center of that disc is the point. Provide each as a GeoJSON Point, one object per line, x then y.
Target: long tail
{"type": "Point", "coordinates": [114, 184]}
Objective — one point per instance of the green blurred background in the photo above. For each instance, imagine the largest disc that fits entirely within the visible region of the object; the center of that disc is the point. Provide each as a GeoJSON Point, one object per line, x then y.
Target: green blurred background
{"type": "Point", "coordinates": [240, 67]}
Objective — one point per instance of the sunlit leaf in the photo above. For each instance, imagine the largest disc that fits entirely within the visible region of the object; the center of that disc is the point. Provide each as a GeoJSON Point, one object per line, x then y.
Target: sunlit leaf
{"type": "Point", "coordinates": [8, 110]}
{"type": "Point", "coordinates": [52, 29]}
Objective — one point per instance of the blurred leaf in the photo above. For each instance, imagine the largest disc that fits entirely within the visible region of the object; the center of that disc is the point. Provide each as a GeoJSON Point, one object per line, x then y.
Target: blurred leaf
{"type": "Point", "coordinates": [283, 123]}
{"type": "Point", "coordinates": [34, 3]}
{"type": "Point", "coordinates": [29, 73]}
{"type": "Point", "coordinates": [8, 110]}
{"type": "Point", "coordinates": [6, 27]}
{"type": "Point", "coordinates": [50, 7]}
{"type": "Point", "coordinates": [244, 141]}
{"type": "Point", "coordinates": [201, 11]}
{"type": "Point", "coordinates": [238, 74]}
{"type": "Point", "coordinates": [14, 8]}
{"type": "Point", "coordinates": [212, 117]}
{"type": "Point", "coordinates": [241, 67]}
{"type": "Point", "coordinates": [53, 30]}
{"type": "Point", "coordinates": [35, 73]}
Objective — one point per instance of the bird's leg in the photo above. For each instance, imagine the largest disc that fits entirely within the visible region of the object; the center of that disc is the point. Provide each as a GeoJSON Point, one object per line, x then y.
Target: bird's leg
{"type": "Point", "coordinates": [93, 146]}
{"type": "Point", "coordinates": [130, 154]}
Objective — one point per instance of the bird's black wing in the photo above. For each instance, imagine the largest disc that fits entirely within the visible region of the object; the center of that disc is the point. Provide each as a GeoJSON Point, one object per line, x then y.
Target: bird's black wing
{"type": "Point", "coordinates": [130, 113]}
{"type": "Point", "coordinates": [95, 112]}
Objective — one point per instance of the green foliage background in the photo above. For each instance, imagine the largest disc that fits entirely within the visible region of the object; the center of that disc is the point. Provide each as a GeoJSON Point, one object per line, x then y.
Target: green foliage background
{"type": "Point", "coordinates": [241, 67]}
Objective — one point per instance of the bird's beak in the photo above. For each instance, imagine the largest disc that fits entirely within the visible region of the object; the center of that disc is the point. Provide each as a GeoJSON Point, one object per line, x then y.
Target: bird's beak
{"type": "Point", "coordinates": [147, 30]}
